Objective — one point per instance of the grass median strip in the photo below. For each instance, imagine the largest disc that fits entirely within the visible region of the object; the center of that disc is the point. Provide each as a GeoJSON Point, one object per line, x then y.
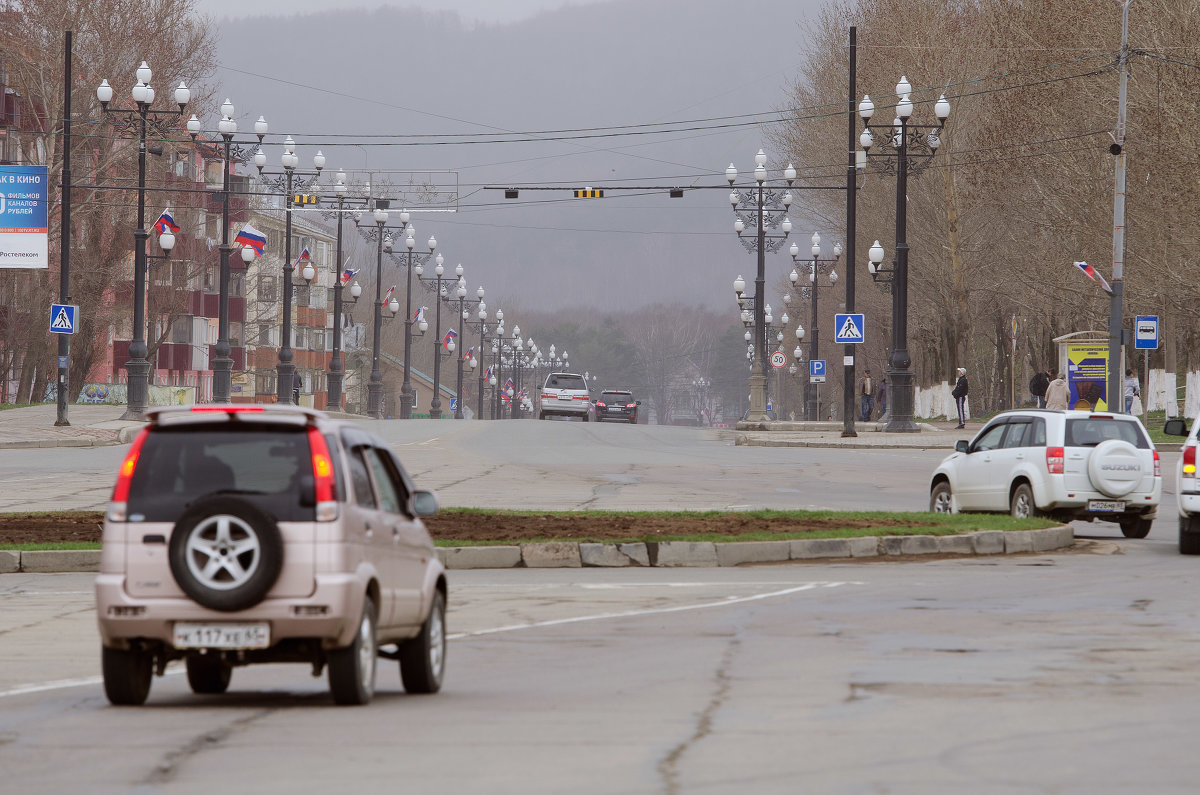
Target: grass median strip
{"type": "Point", "coordinates": [476, 527]}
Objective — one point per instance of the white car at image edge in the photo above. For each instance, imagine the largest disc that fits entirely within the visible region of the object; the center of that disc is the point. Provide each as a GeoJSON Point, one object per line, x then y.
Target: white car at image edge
{"type": "Point", "coordinates": [1186, 486]}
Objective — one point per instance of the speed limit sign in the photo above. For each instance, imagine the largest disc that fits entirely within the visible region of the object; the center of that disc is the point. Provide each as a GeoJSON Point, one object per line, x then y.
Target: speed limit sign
{"type": "Point", "coordinates": [778, 359]}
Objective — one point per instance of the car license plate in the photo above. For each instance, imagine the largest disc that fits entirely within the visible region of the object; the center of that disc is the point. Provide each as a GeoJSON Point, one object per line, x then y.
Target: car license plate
{"type": "Point", "coordinates": [188, 635]}
{"type": "Point", "coordinates": [1106, 506]}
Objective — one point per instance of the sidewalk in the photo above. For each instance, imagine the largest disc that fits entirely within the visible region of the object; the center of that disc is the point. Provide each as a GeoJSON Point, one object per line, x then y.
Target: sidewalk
{"type": "Point", "coordinates": [91, 426]}
{"type": "Point", "coordinates": [870, 435]}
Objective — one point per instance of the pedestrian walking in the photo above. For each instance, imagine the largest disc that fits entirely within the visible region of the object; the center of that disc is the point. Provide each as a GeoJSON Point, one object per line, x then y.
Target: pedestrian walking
{"type": "Point", "coordinates": [882, 397]}
{"type": "Point", "coordinates": [1037, 387]}
{"type": "Point", "coordinates": [1057, 393]}
{"type": "Point", "coordinates": [867, 400]}
{"type": "Point", "coordinates": [1131, 390]}
{"type": "Point", "coordinates": [960, 397]}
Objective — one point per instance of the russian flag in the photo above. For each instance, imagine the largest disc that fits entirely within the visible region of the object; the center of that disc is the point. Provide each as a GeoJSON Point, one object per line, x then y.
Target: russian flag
{"type": "Point", "coordinates": [450, 335]}
{"type": "Point", "coordinates": [251, 237]}
{"type": "Point", "coordinates": [165, 222]}
{"type": "Point", "coordinates": [387, 297]}
{"type": "Point", "coordinates": [347, 275]}
{"type": "Point", "coordinates": [469, 353]}
{"type": "Point", "coordinates": [509, 386]}
{"type": "Point", "coordinates": [1094, 276]}
{"type": "Point", "coordinates": [303, 258]}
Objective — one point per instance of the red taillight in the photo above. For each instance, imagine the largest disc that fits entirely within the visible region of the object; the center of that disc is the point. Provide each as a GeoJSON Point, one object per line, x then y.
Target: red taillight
{"type": "Point", "coordinates": [630, 405]}
{"type": "Point", "coordinates": [1054, 460]}
{"type": "Point", "coordinates": [1158, 465]}
{"type": "Point", "coordinates": [601, 405]}
{"type": "Point", "coordinates": [226, 409]}
{"type": "Point", "coordinates": [322, 464]}
{"type": "Point", "coordinates": [1189, 461]}
{"type": "Point", "coordinates": [125, 473]}
{"type": "Point", "coordinates": [548, 396]}
{"type": "Point", "coordinates": [583, 397]}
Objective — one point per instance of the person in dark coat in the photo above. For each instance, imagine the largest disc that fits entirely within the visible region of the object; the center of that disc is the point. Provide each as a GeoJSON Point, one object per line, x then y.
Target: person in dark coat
{"type": "Point", "coordinates": [1038, 385]}
{"type": "Point", "coordinates": [960, 397]}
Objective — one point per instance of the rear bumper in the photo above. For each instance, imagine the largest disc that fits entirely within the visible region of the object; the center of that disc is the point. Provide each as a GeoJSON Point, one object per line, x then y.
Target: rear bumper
{"type": "Point", "coordinates": [341, 596]}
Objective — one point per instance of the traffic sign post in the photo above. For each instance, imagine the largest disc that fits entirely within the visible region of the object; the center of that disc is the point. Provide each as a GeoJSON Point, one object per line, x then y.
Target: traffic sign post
{"type": "Point", "coordinates": [816, 371]}
{"type": "Point", "coordinates": [850, 328]}
{"type": "Point", "coordinates": [62, 318]}
{"type": "Point", "coordinates": [1145, 335]}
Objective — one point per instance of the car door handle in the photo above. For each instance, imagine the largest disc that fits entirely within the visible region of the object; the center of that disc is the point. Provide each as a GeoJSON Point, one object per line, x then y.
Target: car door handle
{"type": "Point", "coordinates": [370, 532]}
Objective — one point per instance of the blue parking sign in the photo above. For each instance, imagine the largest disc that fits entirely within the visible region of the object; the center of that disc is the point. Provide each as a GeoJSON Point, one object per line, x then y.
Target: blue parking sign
{"type": "Point", "coordinates": [816, 367]}
{"type": "Point", "coordinates": [454, 404]}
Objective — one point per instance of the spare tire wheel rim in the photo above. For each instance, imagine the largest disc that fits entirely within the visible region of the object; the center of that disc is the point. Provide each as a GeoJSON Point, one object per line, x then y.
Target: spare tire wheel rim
{"type": "Point", "coordinates": [1116, 467]}
{"type": "Point", "coordinates": [223, 552]}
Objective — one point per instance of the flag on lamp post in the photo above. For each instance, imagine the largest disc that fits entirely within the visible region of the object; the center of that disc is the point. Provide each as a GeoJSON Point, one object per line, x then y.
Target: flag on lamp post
{"type": "Point", "coordinates": [251, 237]}
{"type": "Point", "coordinates": [165, 222]}
{"type": "Point", "coordinates": [1094, 275]}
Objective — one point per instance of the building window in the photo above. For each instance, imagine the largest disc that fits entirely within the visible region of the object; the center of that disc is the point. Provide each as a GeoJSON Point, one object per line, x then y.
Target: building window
{"type": "Point", "coordinates": [235, 335]}
{"type": "Point", "coordinates": [181, 330]}
{"type": "Point", "coordinates": [210, 278]}
{"type": "Point", "coordinates": [264, 334]}
{"type": "Point", "coordinates": [266, 288]}
{"type": "Point", "coordinates": [299, 334]}
{"type": "Point", "coordinates": [303, 294]}
{"type": "Point", "coordinates": [237, 284]}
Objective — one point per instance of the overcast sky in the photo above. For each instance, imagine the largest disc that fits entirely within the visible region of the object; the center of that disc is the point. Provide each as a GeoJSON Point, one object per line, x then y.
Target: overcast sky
{"type": "Point", "coordinates": [478, 10]}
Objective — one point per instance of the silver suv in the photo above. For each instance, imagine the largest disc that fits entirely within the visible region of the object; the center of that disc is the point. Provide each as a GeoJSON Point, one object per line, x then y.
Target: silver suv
{"type": "Point", "coordinates": [1066, 464]}
{"type": "Point", "coordinates": [565, 395]}
{"type": "Point", "coordinates": [251, 534]}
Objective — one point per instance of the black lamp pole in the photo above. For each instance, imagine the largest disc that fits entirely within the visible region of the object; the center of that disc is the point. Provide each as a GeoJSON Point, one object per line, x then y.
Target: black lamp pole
{"type": "Point", "coordinates": [285, 369]}
{"type": "Point", "coordinates": [901, 397]}
{"type": "Point", "coordinates": [138, 366]}
{"type": "Point", "coordinates": [766, 209]}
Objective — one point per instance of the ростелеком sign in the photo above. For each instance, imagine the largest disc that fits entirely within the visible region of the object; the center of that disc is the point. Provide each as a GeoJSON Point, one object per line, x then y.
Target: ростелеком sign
{"type": "Point", "coordinates": [24, 201]}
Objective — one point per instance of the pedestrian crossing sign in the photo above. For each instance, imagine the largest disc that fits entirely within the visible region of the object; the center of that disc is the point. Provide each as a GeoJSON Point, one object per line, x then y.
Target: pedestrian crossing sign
{"type": "Point", "coordinates": [62, 318]}
{"type": "Point", "coordinates": [849, 328]}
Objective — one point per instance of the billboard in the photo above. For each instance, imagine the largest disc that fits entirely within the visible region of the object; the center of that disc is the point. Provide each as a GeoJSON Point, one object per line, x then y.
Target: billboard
{"type": "Point", "coordinates": [1087, 376]}
{"type": "Point", "coordinates": [24, 202]}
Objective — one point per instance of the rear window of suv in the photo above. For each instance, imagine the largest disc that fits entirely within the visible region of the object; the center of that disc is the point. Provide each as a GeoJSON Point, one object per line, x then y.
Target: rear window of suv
{"type": "Point", "coordinates": [616, 397]}
{"type": "Point", "coordinates": [179, 466]}
{"type": "Point", "coordinates": [566, 382]}
{"type": "Point", "coordinates": [1091, 431]}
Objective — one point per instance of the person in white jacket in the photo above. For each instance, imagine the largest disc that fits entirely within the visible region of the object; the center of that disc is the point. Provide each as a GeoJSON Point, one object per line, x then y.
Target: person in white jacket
{"type": "Point", "coordinates": [1057, 393]}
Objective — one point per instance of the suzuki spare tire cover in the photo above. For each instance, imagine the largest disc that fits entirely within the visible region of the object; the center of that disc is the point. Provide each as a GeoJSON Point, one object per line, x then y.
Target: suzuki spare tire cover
{"type": "Point", "coordinates": [226, 553]}
{"type": "Point", "coordinates": [1116, 467]}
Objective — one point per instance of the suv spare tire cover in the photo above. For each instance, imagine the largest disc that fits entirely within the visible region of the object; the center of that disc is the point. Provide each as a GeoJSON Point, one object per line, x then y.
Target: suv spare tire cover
{"type": "Point", "coordinates": [1116, 467]}
{"type": "Point", "coordinates": [226, 553]}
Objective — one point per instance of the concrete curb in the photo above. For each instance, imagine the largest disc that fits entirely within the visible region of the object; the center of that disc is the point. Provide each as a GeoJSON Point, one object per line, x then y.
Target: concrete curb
{"type": "Point", "coordinates": [665, 554]}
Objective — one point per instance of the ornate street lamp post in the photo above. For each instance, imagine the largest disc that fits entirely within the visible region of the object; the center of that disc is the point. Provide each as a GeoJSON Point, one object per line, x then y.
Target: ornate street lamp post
{"type": "Point", "coordinates": [341, 275]}
{"type": "Point", "coordinates": [766, 209]}
{"type": "Point", "coordinates": [463, 313]}
{"type": "Point", "coordinates": [138, 121]}
{"type": "Point", "coordinates": [285, 369]}
{"type": "Point", "coordinates": [816, 267]}
{"type": "Point", "coordinates": [902, 137]}
{"type": "Point", "coordinates": [222, 364]}
{"type": "Point", "coordinates": [435, 405]}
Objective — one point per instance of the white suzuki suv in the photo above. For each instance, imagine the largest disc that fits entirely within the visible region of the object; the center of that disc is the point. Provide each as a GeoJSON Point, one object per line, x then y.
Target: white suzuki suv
{"type": "Point", "coordinates": [247, 534]}
{"type": "Point", "coordinates": [1065, 464]}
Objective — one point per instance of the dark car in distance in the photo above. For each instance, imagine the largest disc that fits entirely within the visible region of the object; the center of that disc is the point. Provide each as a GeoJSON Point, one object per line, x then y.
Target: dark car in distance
{"type": "Point", "coordinates": [617, 404]}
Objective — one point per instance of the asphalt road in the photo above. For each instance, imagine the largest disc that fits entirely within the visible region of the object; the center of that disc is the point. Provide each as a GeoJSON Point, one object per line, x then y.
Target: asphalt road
{"type": "Point", "coordinates": [1067, 672]}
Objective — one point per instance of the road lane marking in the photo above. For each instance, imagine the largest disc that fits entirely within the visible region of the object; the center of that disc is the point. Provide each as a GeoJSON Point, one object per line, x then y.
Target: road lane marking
{"type": "Point", "coordinates": [63, 684]}
{"type": "Point", "coordinates": [731, 600]}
